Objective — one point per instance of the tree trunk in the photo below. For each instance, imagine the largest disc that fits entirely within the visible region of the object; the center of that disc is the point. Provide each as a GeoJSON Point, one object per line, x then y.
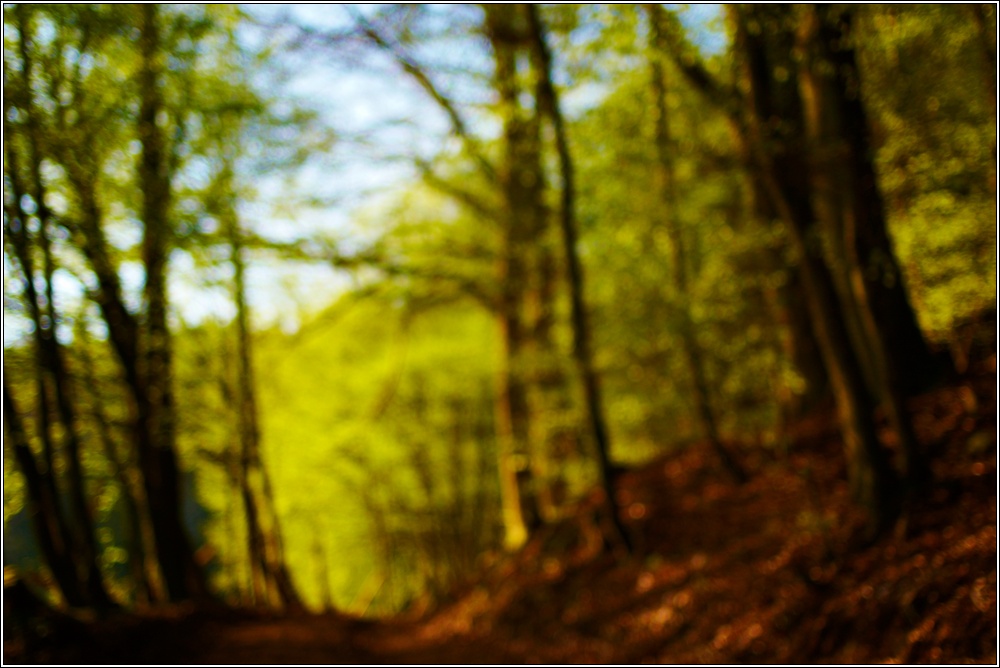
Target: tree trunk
{"type": "Point", "coordinates": [157, 451]}
{"type": "Point", "coordinates": [123, 336]}
{"type": "Point", "coordinates": [693, 354]}
{"type": "Point", "coordinates": [801, 340]}
{"type": "Point", "coordinates": [777, 152]}
{"type": "Point", "coordinates": [247, 428]}
{"type": "Point", "coordinates": [275, 548]}
{"type": "Point", "coordinates": [548, 103]}
{"type": "Point", "coordinates": [51, 377]}
{"type": "Point", "coordinates": [266, 555]}
{"type": "Point", "coordinates": [848, 199]}
{"type": "Point", "coordinates": [51, 359]}
{"type": "Point", "coordinates": [137, 538]}
{"type": "Point", "coordinates": [769, 119]}
{"type": "Point", "coordinates": [43, 508]}
{"type": "Point", "coordinates": [147, 376]}
{"type": "Point", "coordinates": [519, 180]}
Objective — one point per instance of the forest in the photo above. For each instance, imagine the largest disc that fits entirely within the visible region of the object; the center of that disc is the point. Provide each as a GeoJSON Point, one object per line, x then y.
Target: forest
{"type": "Point", "coordinates": [508, 333]}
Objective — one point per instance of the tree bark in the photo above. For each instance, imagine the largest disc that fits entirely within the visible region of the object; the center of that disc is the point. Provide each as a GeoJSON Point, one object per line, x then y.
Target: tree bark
{"type": "Point", "coordinates": [265, 551]}
{"type": "Point", "coordinates": [51, 358]}
{"type": "Point", "coordinates": [144, 573]}
{"type": "Point", "coordinates": [802, 343]}
{"type": "Point", "coordinates": [665, 178]}
{"type": "Point", "coordinates": [548, 103]}
{"type": "Point", "coordinates": [847, 197]}
{"type": "Point", "coordinates": [841, 138]}
{"type": "Point", "coordinates": [785, 172]}
{"type": "Point", "coordinates": [50, 371]}
{"type": "Point", "coordinates": [157, 450]}
{"type": "Point", "coordinates": [43, 508]}
{"type": "Point", "coordinates": [520, 181]}
{"type": "Point", "coordinates": [769, 119]}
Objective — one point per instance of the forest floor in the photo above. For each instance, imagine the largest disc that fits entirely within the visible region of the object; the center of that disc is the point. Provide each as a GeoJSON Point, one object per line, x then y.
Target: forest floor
{"type": "Point", "coordinates": [772, 571]}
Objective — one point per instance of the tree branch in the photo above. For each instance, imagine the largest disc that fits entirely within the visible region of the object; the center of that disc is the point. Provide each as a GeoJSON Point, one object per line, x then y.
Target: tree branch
{"type": "Point", "coordinates": [411, 67]}
{"type": "Point", "coordinates": [670, 40]}
{"type": "Point", "coordinates": [466, 197]}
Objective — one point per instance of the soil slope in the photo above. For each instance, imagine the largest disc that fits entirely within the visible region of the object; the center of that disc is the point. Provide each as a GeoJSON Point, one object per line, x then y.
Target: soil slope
{"type": "Point", "coordinates": [772, 571]}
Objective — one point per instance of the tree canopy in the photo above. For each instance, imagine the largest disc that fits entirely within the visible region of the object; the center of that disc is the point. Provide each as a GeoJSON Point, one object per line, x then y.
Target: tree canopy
{"type": "Point", "coordinates": [332, 311]}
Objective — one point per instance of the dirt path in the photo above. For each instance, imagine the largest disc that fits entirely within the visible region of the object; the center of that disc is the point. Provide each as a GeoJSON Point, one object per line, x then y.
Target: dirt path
{"type": "Point", "coordinates": [771, 571]}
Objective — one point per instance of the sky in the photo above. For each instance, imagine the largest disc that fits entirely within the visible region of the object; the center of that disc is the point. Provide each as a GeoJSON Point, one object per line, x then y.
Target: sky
{"type": "Point", "coordinates": [380, 115]}
{"type": "Point", "coordinates": [361, 100]}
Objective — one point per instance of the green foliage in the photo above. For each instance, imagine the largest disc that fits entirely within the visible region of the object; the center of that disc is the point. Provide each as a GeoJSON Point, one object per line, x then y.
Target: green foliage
{"type": "Point", "coordinates": [355, 408]}
{"type": "Point", "coordinates": [628, 256]}
{"type": "Point", "coordinates": [927, 79]}
{"type": "Point", "coordinates": [377, 412]}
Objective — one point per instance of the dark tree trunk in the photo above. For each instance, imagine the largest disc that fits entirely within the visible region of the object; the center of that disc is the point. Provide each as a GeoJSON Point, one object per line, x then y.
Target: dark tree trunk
{"type": "Point", "coordinates": [266, 553]}
{"type": "Point", "coordinates": [548, 103]}
{"type": "Point", "coordinates": [848, 197]}
{"type": "Point", "coordinates": [275, 548]}
{"type": "Point", "coordinates": [555, 439]}
{"type": "Point", "coordinates": [51, 359]}
{"type": "Point", "coordinates": [665, 178]}
{"type": "Point", "coordinates": [123, 335]}
{"type": "Point", "coordinates": [51, 377]}
{"type": "Point", "coordinates": [844, 144]}
{"type": "Point", "coordinates": [157, 451]}
{"type": "Point", "coordinates": [142, 571]}
{"type": "Point", "coordinates": [802, 343]}
{"type": "Point", "coordinates": [246, 408]}
{"type": "Point", "coordinates": [777, 151]}
{"type": "Point", "coordinates": [146, 372]}
{"type": "Point", "coordinates": [43, 508]}
{"type": "Point", "coordinates": [769, 119]}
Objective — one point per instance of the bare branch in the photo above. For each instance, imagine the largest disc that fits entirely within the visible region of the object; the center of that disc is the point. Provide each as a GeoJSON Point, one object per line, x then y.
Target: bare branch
{"type": "Point", "coordinates": [670, 40]}
{"type": "Point", "coordinates": [411, 67]}
{"type": "Point", "coordinates": [466, 197]}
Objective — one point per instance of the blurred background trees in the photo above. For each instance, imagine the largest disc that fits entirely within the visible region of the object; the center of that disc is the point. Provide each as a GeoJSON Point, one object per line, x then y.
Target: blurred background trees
{"type": "Point", "coordinates": [619, 231]}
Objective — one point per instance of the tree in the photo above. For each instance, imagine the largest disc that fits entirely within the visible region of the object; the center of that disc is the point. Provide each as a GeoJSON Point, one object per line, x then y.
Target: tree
{"type": "Point", "coordinates": [935, 158]}
{"type": "Point", "coordinates": [522, 223]}
{"type": "Point", "coordinates": [43, 502]}
{"type": "Point", "coordinates": [521, 182]}
{"type": "Point", "coordinates": [266, 554]}
{"type": "Point", "coordinates": [155, 410]}
{"type": "Point", "coordinates": [848, 200]}
{"type": "Point", "coordinates": [764, 41]}
{"type": "Point", "coordinates": [146, 583]}
{"type": "Point", "coordinates": [71, 122]}
{"type": "Point", "coordinates": [548, 102]}
{"type": "Point", "coordinates": [772, 84]}
{"type": "Point", "coordinates": [52, 377]}
{"type": "Point", "coordinates": [666, 185]}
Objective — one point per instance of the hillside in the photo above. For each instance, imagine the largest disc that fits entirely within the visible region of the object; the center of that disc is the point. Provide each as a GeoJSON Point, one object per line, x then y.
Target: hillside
{"type": "Point", "coordinates": [773, 571]}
